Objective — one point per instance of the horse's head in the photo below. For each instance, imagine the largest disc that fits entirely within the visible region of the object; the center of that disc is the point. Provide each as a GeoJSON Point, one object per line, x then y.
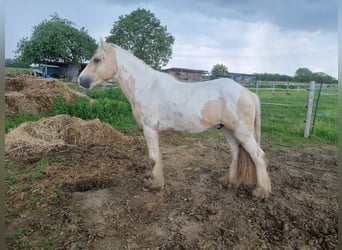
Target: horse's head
{"type": "Point", "coordinates": [101, 67]}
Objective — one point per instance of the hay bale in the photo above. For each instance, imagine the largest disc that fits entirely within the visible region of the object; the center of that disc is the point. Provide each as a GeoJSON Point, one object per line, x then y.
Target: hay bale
{"type": "Point", "coordinates": [31, 95]}
{"type": "Point", "coordinates": [31, 140]}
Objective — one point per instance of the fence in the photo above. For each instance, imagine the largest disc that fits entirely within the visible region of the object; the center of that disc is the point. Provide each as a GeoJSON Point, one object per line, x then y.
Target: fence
{"type": "Point", "coordinates": [286, 94]}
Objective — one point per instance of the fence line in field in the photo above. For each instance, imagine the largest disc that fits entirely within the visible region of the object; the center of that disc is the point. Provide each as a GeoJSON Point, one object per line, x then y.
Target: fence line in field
{"type": "Point", "coordinates": [310, 106]}
{"type": "Point", "coordinates": [330, 94]}
{"type": "Point", "coordinates": [281, 104]}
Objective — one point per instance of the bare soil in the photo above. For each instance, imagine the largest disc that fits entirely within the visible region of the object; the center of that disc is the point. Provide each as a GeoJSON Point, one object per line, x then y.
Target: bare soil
{"type": "Point", "coordinates": [91, 197]}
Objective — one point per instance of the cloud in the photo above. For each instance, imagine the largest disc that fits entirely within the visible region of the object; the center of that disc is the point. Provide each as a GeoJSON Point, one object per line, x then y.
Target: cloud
{"type": "Point", "coordinates": [261, 47]}
{"type": "Point", "coordinates": [307, 15]}
{"type": "Point", "coordinates": [249, 36]}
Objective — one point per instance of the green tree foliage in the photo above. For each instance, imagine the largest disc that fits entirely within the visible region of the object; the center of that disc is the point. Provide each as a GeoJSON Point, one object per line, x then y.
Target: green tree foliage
{"type": "Point", "coordinates": [273, 77]}
{"type": "Point", "coordinates": [141, 33]}
{"type": "Point", "coordinates": [303, 75]}
{"type": "Point", "coordinates": [56, 39]}
{"type": "Point", "coordinates": [323, 77]}
{"type": "Point", "coordinates": [306, 75]}
{"type": "Point", "coordinates": [218, 71]}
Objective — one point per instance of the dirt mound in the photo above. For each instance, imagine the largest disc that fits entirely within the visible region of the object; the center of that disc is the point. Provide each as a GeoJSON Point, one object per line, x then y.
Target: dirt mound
{"type": "Point", "coordinates": [31, 140]}
{"type": "Point", "coordinates": [31, 95]}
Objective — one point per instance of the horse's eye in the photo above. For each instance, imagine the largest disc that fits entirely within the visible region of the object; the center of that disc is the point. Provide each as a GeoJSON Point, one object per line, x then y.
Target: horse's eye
{"type": "Point", "coordinates": [97, 60]}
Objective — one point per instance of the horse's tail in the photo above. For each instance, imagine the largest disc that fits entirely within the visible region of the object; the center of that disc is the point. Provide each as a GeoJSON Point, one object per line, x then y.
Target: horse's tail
{"type": "Point", "coordinates": [246, 170]}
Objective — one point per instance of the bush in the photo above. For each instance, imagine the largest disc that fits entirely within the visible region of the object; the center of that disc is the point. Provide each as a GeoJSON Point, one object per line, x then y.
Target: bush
{"type": "Point", "coordinates": [110, 107]}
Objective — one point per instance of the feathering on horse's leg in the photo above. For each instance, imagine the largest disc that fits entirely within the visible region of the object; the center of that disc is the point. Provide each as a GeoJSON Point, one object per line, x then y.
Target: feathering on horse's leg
{"type": "Point", "coordinates": [156, 180]}
{"type": "Point", "coordinates": [250, 145]}
{"type": "Point", "coordinates": [230, 179]}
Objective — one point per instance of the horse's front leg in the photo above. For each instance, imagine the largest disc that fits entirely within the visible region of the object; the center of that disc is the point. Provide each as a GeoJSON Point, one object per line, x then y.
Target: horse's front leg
{"type": "Point", "coordinates": [156, 180]}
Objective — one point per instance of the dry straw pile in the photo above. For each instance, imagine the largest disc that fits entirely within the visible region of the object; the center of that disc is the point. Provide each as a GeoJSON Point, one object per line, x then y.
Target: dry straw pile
{"type": "Point", "coordinates": [32, 140]}
{"type": "Point", "coordinates": [31, 95]}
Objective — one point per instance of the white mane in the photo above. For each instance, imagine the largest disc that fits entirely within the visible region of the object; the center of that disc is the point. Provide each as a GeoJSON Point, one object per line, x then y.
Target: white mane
{"type": "Point", "coordinates": [128, 54]}
{"type": "Point", "coordinates": [131, 57]}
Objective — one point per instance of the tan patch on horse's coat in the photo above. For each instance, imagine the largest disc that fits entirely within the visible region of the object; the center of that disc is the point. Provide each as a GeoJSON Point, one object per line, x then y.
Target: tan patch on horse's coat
{"type": "Point", "coordinates": [246, 109]}
{"type": "Point", "coordinates": [109, 50]}
{"type": "Point", "coordinates": [136, 110]}
{"type": "Point", "coordinates": [136, 106]}
{"type": "Point", "coordinates": [215, 112]}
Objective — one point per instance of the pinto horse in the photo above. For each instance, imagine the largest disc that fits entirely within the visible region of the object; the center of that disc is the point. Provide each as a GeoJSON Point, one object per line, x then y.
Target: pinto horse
{"type": "Point", "coordinates": [161, 102]}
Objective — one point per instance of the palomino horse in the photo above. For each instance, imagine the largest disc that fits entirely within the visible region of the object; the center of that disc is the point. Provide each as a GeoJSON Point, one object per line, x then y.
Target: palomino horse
{"type": "Point", "coordinates": [161, 102]}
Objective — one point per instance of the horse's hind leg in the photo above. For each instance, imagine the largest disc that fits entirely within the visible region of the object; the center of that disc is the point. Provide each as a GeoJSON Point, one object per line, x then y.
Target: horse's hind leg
{"type": "Point", "coordinates": [247, 140]}
{"type": "Point", "coordinates": [230, 178]}
{"type": "Point", "coordinates": [156, 180]}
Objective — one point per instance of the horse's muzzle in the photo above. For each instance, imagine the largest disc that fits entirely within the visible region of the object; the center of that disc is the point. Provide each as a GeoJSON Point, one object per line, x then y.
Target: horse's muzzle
{"type": "Point", "coordinates": [85, 82]}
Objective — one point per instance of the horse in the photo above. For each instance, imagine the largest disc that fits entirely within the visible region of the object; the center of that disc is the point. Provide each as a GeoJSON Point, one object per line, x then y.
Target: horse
{"type": "Point", "coordinates": [160, 102]}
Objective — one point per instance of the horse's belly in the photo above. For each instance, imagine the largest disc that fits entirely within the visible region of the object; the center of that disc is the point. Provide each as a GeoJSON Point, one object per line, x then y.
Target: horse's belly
{"type": "Point", "coordinates": [181, 122]}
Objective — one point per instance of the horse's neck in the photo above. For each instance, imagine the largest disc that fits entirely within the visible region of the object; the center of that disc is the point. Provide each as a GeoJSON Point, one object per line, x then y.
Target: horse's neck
{"type": "Point", "coordinates": [133, 75]}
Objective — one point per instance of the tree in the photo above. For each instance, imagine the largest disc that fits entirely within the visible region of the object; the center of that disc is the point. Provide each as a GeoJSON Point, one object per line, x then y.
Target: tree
{"type": "Point", "coordinates": [218, 71]}
{"type": "Point", "coordinates": [303, 75]}
{"type": "Point", "coordinates": [56, 39]}
{"type": "Point", "coordinates": [141, 33]}
{"type": "Point", "coordinates": [272, 77]}
{"type": "Point", "coordinates": [321, 77]}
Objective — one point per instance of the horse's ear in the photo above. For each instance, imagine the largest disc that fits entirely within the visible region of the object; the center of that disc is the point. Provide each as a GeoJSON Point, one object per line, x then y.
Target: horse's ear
{"type": "Point", "coordinates": [101, 43]}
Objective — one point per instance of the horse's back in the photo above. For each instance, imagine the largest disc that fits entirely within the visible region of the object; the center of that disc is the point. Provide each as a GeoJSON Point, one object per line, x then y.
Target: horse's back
{"type": "Point", "coordinates": [182, 105]}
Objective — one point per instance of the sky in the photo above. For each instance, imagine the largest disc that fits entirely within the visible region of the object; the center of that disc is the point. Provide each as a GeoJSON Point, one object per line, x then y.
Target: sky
{"type": "Point", "coordinates": [248, 36]}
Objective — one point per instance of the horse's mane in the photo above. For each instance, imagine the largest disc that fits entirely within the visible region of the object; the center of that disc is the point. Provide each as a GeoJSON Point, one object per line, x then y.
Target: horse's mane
{"type": "Point", "coordinates": [129, 54]}
{"type": "Point", "coordinates": [132, 57]}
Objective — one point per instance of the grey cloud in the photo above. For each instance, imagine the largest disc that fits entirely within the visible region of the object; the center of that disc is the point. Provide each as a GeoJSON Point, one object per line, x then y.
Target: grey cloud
{"type": "Point", "coordinates": [309, 15]}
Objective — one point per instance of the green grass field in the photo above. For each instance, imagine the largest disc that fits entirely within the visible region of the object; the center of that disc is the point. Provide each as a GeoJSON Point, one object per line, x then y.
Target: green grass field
{"type": "Point", "coordinates": [283, 116]}
{"type": "Point", "coordinates": [280, 124]}
{"type": "Point", "coordinates": [17, 71]}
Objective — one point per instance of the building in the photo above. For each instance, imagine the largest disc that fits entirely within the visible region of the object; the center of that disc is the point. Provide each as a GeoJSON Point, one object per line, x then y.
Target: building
{"type": "Point", "coordinates": [241, 77]}
{"type": "Point", "coordinates": [60, 70]}
{"type": "Point", "coordinates": [195, 75]}
{"type": "Point", "coordinates": [187, 75]}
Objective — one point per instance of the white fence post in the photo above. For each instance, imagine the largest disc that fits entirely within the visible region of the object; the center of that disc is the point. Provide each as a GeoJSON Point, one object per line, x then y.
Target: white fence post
{"type": "Point", "coordinates": [257, 87]}
{"type": "Point", "coordinates": [309, 109]}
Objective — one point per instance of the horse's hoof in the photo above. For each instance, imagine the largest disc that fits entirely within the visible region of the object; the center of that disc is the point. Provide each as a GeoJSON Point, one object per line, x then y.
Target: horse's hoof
{"type": "Point", "coordinates": [151, 185]}
{"type": "Point", "coordinates": [225, 182]}
{"type": "Point", "coordinates": [261, 193]}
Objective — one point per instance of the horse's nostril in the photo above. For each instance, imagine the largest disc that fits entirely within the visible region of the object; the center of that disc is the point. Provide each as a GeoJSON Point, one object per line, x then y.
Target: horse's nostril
{"type": "Point", "coordinates": [85, 82]}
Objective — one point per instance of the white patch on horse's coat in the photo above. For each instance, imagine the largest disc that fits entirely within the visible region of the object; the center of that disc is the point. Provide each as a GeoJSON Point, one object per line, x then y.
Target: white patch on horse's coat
{"type": "Point", "coordinates": [161, 102]}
